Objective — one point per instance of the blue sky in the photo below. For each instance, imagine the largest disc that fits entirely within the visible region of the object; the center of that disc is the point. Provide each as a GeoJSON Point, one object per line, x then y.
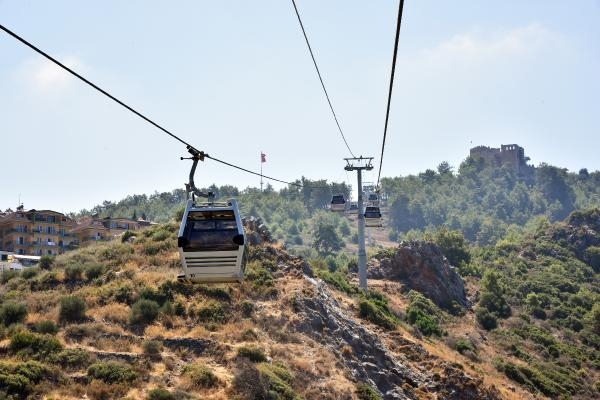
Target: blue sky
{"type": "Point", "coordinates": [234, 78]}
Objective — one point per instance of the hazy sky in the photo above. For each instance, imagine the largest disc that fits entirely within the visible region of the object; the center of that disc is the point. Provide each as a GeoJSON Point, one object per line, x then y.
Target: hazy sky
{"type": "Point", "coordinates": [234, 78]}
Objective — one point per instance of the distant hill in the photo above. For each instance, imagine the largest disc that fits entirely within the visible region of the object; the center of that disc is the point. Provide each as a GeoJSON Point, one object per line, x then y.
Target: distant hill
{"type": "Point", "coordinates": [485, 202]}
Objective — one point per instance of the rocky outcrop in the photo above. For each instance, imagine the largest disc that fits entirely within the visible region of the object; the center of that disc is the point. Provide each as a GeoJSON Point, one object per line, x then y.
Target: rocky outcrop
{"type": "Point", "coordinates": [421, 266]}
{"type": "Point", "coordinates": [360, 350]}
{"type": "Point", "coordinates": [256, 231]}
{"type": "Point", "coordinates": [367, 358]}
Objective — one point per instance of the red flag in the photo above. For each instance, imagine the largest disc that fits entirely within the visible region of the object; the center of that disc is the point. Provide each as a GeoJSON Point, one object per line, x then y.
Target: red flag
{"type": "Point", "coordinates": [263, 157]}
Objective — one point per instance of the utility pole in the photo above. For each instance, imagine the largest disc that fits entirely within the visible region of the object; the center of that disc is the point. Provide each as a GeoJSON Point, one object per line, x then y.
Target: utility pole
{"type": "Point", "coordinates": [363, 163]}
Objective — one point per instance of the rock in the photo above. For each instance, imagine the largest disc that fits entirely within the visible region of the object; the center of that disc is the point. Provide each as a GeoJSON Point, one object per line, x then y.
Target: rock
{"type": "Point", "coordinates": [369, 361]}
{"type": "Point", "coordinates": [422, 266]}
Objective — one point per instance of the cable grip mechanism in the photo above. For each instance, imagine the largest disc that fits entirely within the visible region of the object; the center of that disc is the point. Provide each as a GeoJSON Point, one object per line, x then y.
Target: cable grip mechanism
{"type": "Point", "coordinates": [190, 187]}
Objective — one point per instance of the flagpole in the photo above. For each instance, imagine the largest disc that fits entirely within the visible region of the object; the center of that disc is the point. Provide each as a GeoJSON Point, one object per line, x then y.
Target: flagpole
{"type": "Point", "coordinates": [261, 174]}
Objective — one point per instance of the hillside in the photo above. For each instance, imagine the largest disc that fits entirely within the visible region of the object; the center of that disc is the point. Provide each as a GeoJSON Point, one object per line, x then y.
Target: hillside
{"type": "Point", "coordinates": [111, 321]}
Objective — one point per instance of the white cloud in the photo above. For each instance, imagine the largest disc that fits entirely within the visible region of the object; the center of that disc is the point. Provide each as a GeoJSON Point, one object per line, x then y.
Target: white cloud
{"type": "Point", "coordinates": [478, 48]}
{"type": "Point", "coordinates": [44, 75]}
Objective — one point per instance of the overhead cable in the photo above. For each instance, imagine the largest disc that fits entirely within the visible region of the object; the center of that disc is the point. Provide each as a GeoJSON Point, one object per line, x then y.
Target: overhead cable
{"type": "Point", "coordinates": [55, 61]}
{"type": "Point", "coordinates": [321, 78]}
{"type": "Point", "coordinates": [387, 113]}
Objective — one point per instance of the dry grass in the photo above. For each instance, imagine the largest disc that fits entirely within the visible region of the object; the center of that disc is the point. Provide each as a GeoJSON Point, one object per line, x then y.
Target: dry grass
{"type": "Point", "coordinates": [117, 313]}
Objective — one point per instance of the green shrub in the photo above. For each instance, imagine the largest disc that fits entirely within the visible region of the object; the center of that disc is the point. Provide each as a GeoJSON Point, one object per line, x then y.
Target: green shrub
{"type": "Point", "coordinates": [160, 394]}
{"type": "Point", "coordinates": [370, 311]}
{"type": "Point", "coordinates": [423, 314]}
{"type": "Point", "coordinates": [14, 384]}
{"type": "Point", "coordinates": [426, 324]}
{"type": "Point", "coordinates": [93, 271]}
{"type": "Point", "coordinates": [463, 345]}
{"type": "Point", "coordinates": [72, 309]}
{"type": "Point", "coordinates": [8, 275]}
{"type": "Point", "coordinates": [152, 348]}
{"type": "Point", "coordinates": [46, 262]}
{"type": "Point", "coordinates": [29, 344]}
{"type": "Point", "coordinates": [338, 280]}
{"type": "Point", "coordinates": [200, 376]}
{"type": "Point", "coordinates": [277, 379]}
{"type": "Point", "coordinates": [46, 326]}
{"type": "Point", "coordinates": [247, 308]}
{"type": "Point", "coordinates": [143, 312]}
{"type": "Point", "coordinates": [12, 313]}
{"type": "Point", "coordinates": [212, 312]}
{"type": "Point", "coordinates": [112, 372]}
{"type": "Point", "coordinates": [33, 370]}
{"type": "Point", "coordinates": [486, 319]}
{"type": "Point", "coordinates": [364, 391]}
{"type": "Point", "coordinates": [252, 353]}
{"type": "Point", "coordinates": [125, 237]}
{"type": "Point", "coordinates": [160, 235]}
{"type": "Point", "coordinates": [29, 273]}
{"type": "Point", "coordinates": [73, 272]}
{"type": "Point", "coordinates": [72, 359]}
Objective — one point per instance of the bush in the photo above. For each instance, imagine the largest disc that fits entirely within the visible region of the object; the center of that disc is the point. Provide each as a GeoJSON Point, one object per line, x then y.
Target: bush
{"type": "Point", "coordinates": [29, 344]}
{"type": "Point", "coordinates": [93, 271]}
{"type": "Point", "coordinates": [72, 359]}
{"type": "Point", "coordinates": [426, 324]}
{"type": "Point", "coordinates": [160, 394]}
{"type": "Point", "coordinates": [29, 273]}
{"type": "Point", "coordinates": [125, 237]}
{"type": "Point", "coordinates": [72, 309]}
{"type": "Point", "coordinates": [377, 313]}
{"type": "Point", "coordinates": [200, 376]}
{"type": "Point", "coordinates": [212, 312]}
{"type": "Point", "coordinates": [423, 314]}
{"type": "Point", "coordinates": [46, 262]}
{"type": "Point", "coordinates": [73, 272]}
{"type": "Point", "coordinates": [152, 348]}
{"type": "Point", "coordinates": [253, 354]}
{"type": "Point", "coordinates": [144, 311]}
{"type": "Point", "coordinates": [46, 326]}
{"type": "Point", "coordinates": [12, 313]}
{"type": "Point", "coordinates": [364, 391]}
{"type": "Point", "coordinates": [112, 372]}
{"type": "Point", "coordinates": [486, 319]}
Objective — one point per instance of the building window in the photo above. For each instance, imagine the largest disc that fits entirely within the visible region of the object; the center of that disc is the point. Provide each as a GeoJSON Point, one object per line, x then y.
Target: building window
{"type": "Point", "coordinates": [20, 240]}
{"type": "Point", "coordinates": [21, 251]}
{"type": "Point", "coordinates": [50, 230]}
{"type": "Point", "coordinates": [51, 219]}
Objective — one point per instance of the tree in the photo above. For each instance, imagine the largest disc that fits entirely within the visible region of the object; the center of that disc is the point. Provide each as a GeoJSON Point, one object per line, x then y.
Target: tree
{"type": "Point", "coordinates": [327, 239]}
{"type": "Point", "coordinates": [454, 246]}
{"type": "Point", "coordinates": [444, 168]}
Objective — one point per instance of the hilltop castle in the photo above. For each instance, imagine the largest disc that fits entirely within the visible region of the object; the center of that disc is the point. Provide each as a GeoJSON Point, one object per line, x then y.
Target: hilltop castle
{"type": "Point", "coordinates": [511, 154]}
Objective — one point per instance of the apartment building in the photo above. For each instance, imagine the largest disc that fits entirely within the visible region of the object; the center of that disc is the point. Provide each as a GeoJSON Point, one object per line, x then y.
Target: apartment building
{"type": "Point", "coordinates": [91, 229]}
{"type": "Point", "coordinates": [36, 232]}
{"type": "Point", "coordinates": [46, 232]}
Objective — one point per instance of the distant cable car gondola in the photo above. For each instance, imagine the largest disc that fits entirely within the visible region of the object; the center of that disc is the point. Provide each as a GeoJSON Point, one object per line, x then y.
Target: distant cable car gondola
{"type": "Point", "coordinates": [373, 217]}
{"type": "Point", "coordinates": [373, 199]}
{"type": "Point", "coordinates": [211, 238]}
{"type": "Point", "coordinates": [338, 203]}
{"type": "Point", "coordinates": [353, 209]}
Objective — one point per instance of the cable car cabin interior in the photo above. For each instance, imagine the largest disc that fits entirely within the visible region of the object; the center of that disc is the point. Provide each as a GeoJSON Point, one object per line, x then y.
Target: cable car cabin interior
{"type": "Point", "coordinates": [338, 203]}
{"type": "Point", "coordinates": [373, 217]}
{"type": "Point", "coordinates": [212, 242]}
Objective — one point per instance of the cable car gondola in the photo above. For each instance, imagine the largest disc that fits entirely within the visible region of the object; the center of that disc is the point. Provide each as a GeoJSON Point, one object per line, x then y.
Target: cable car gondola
{"type": "Point", "coordinates": [211, 237]}
{"type": "Point", "coordinates": [373, 217]}
{"type": "Point", "coordinates": [338, 203]}
{"type": "Point", "coordinates": [353, 209]}
{"type": "Point", "coordinates": [373, 199]}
